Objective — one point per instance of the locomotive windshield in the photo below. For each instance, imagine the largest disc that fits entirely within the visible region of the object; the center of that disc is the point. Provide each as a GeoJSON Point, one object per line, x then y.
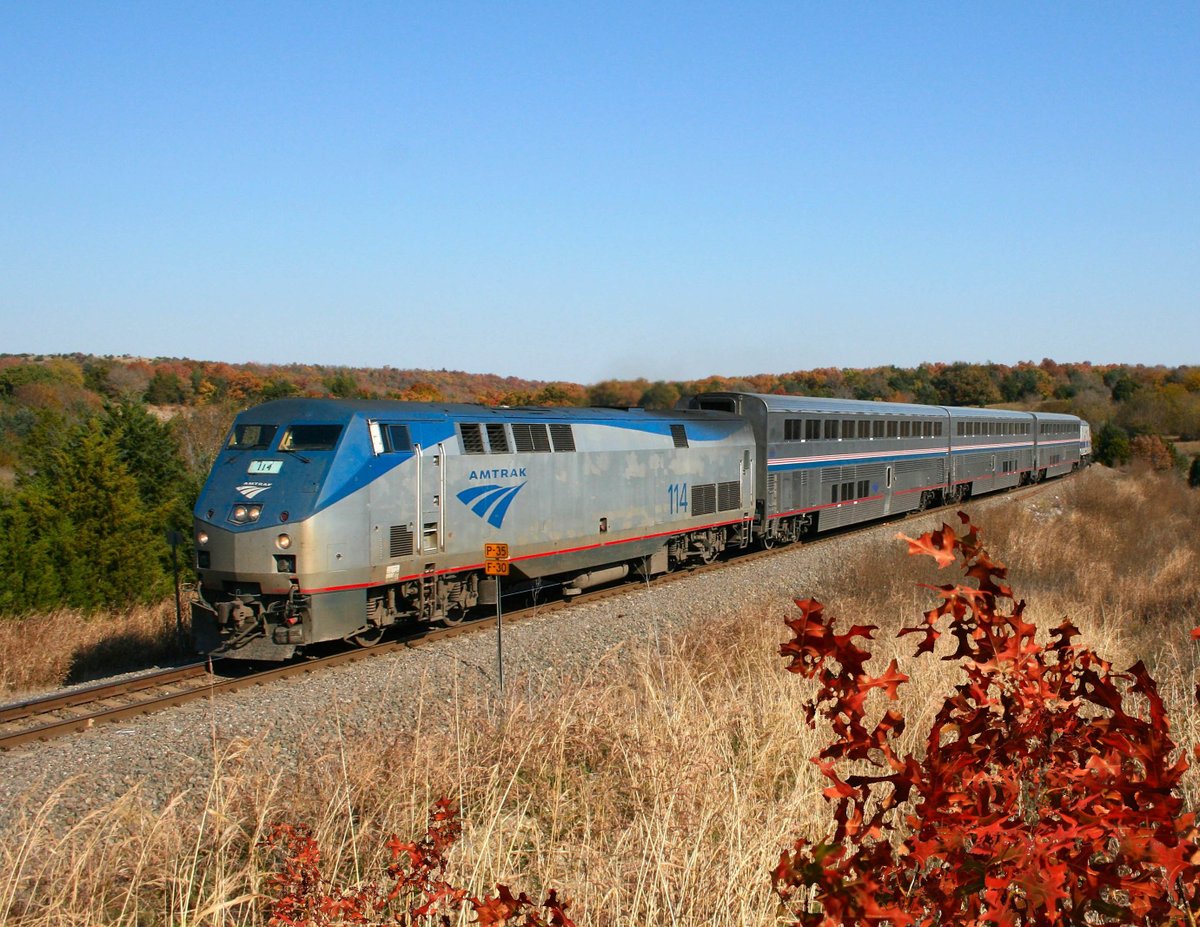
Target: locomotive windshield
{"type": "Point", "coordinates": [252, 437]}
{"type": "Point", "coordinates": [310, 438]}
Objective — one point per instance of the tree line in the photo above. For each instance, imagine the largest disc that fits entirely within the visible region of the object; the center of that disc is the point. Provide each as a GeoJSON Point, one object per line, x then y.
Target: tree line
{"type": "Point", "coordinates": [101, 456]}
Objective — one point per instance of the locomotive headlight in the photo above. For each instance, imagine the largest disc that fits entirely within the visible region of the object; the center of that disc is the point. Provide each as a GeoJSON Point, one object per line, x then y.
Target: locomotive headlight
{"type": "Point", "coordinates": [202, 538]}
{"type": "Point", "coordinates": [245, 513]}
{"type": "Point", "coordinates": [283, 542]}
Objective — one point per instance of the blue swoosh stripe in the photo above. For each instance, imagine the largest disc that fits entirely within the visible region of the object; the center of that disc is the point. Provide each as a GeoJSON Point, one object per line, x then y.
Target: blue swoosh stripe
{"type": "Point", "coordinates": [468, 494]}
{"type": "Point", "coordinates": [501, 509]}
{"type": "Point", "coordinates": [488, 500]}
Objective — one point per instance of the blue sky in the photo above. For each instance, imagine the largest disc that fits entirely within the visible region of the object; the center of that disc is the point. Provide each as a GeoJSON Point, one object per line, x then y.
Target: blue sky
{"type": "Point", "coordinates": [583, 191]}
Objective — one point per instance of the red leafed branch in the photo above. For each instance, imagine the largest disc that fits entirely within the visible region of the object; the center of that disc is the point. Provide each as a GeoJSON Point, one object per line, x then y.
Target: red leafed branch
{"type": "Point", "coordinates": [1048, 791]}
{"type": "Point", "coordinates": [419, 892]}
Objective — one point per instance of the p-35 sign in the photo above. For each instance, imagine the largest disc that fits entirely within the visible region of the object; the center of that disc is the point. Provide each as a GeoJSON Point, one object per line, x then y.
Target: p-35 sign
{"type": "Point", "coordinates": [495, 559]}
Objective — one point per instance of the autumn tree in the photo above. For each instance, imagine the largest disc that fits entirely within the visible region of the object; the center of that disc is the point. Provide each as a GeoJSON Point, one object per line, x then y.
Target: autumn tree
{"type": "Point", "coordinates": [1159, 454]}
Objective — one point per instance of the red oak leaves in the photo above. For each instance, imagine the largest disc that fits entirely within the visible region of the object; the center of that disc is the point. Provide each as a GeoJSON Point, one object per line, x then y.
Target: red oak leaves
{"type": "Point", "coordinates": [1045, 794]}
{"type": "Point", "coordinates": [420, 893]}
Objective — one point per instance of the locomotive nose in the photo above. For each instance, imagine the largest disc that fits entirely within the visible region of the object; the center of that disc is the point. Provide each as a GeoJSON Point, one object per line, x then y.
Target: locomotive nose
{"type": "Point", "coordinates": [262, 556]}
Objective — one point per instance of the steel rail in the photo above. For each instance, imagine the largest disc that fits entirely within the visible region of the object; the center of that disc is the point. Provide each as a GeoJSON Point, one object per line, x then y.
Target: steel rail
{"type": "Point", "coordinates": [55, 701]}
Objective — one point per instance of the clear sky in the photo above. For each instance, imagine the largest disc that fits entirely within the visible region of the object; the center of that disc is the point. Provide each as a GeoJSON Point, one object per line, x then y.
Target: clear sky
{"type": "Point", "coordinates": [581, 191]}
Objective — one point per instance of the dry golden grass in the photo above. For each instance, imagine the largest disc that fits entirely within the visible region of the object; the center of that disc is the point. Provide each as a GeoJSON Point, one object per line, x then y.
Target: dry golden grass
{"type": "Point", "coordinates": [658, 792]}
{"type": "Point", "coordinates": [52, 650]}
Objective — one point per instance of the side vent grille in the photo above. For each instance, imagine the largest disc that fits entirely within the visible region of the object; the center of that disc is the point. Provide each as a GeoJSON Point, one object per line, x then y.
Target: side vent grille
{"type": "Point", "coordinates": [729, 496]}
{"type": "Point", "coordinates": [562, 437]}
{"type": "Point", "coordinates": [497, 439]}
{"type": "Point", "coordinates": [402, 542]}
{"type": "Point", "coordinates": [704, 499]}
{"type": "Point", "coordinates": [472, 439]}
{"type": "Point", "coordinates": [679, 435]}
{"type": "Point", "coordinates": [531, 437]}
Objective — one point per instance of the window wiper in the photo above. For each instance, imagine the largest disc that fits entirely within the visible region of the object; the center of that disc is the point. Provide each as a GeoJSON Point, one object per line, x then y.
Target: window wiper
{"type": "Point", "coordinates": [288, 450]}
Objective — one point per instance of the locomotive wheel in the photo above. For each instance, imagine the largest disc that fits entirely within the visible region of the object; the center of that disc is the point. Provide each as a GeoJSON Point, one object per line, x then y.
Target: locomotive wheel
{"type": "Point", "coordinates": [368, 638]}
{"type": "Point", "coordinates": [454, 618]}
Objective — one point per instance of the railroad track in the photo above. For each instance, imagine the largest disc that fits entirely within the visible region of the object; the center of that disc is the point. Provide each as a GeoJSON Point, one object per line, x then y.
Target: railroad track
{"type": "Point", "coordinates": [83, 709]}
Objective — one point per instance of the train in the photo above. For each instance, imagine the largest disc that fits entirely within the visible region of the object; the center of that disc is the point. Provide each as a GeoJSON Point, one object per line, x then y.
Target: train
{"type": "Point", "coordinates": [334, 520]}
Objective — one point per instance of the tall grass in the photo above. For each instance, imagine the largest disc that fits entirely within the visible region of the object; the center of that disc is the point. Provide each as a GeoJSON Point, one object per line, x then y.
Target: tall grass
{"type": "Point", "coordinates": [47, 651]}
{"type": "Point", "coordinates": [656, 791]}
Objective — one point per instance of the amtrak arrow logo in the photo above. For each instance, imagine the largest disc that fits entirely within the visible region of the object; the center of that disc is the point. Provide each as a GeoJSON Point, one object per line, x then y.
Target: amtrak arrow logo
{"type": "Point", "coordinates": [490, 502]}
{"type": "Point", "coordinates": [250, 490]}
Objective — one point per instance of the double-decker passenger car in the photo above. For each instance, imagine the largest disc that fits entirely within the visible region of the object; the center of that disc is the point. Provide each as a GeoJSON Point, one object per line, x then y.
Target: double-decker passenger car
{"type": "Point", "coordinates": [828, 463]}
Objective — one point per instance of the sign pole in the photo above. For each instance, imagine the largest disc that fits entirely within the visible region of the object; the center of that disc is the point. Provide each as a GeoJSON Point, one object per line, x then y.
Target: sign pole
{"type": "Point", "coordinates": [495, 562]}
{"type": "Point", "coordinates": [500, 635]}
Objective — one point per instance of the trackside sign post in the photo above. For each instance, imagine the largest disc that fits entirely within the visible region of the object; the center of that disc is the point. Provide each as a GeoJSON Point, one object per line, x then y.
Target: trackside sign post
{"type": "Point", "coordinates": [495, 563]}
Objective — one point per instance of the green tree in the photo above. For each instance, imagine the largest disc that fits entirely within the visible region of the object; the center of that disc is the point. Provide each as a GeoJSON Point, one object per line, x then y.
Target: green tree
{"type": "Point", "coordinates": [1112, 445]}
{"type": "Point", "coordinates": [28, 580]}
{"type": "Point", "coordinates": [165, 388]}
{"type": "Point", "coordinates": [620, 394]}
{"type": "Point", "coordinates": [76, 529]}
{"type": "Point", "coordinates": [966, 385]}
{"type": "Point", "coordinates": [557, 394]}
{"type": "Point", "coordinates": [280, 388]}
{"type": "Point", "coordinates": [1123, 389]}
{"type": "Point", "coordinates": [149, 449]}
{"type": "Point", "coordinates": [1032, 382]}
{"type": "Point", "coordinates": [660, 396]}
{"type": "Point", "coordinates": [343, 385]}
